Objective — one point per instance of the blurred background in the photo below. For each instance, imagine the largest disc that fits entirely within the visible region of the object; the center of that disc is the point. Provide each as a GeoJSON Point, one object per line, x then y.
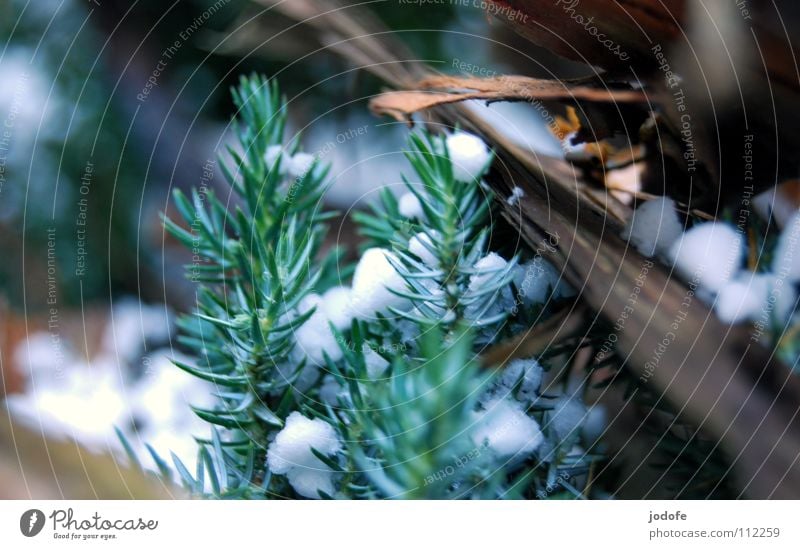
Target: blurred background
{"type": "Point", "coordinates": [107, 106]}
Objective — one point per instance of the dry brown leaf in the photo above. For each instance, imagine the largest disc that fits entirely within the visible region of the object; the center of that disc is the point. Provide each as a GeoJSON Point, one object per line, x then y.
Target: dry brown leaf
{"type": "Point", "coordinates": [442, 90]}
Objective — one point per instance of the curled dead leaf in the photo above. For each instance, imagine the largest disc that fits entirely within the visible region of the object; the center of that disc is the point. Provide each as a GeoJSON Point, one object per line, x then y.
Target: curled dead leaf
{"type": "Point", "coordinates": [442, 90]}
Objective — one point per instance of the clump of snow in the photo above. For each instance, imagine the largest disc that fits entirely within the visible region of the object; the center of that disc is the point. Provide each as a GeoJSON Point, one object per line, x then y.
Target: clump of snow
{"type": "Point", "coordinates": [567, 417]}
{"type": "Point", "coordinates": [84, 401]}
{"type": "Point", "coordinates": [469, 156]}
{"type": "Point", "coordinates": [314, 337]}
{"type": "Point", "coordinates": [786, 258]}
{"type": "Point", "coordinates": [290, 454]}
{"type": "Point", "coordinates": [776, 205]}
{"type": "Point", "coordinates": [300, 164]}
{"type": "Point", "coordinates": [374, 277]}
{"type": "Point", "coordinates": [410, 206]}
{"type": "Point", "coordinates": [743, 298]}
{"type": "Point", "coordinates": [336, 306]}
{"type": "Point", "coordinates": [507, 430]}
{"type": "Point", "coordinates": [84, 405]}
{"type": "Point", "coordinates": [161, 396]}
{"type": "Point", "coordinates": [653, 227]}
{"type": "Point", "coordinates": [486, 268]}
{"type": "Point", "coordinates": [421, 246]}
{"type": "Point", "coordinates": [709, 253]}
{"type": "Point", "coordinates": [782, 299]}
{"type": "Point", "coordinates": [376, 364]}
{"type": "Point", "coordinates": [309, 482]}
{"type": "Point", "coordinates": [516, 194]}
{"type": "Point", "coordinates": [275, 153]}
{"type": "Point", "coordinates": [756, 297]}
{"type": "Point", "coordinates": [535, 280]}
{"type": "Point", "coordinates": [525, 372]}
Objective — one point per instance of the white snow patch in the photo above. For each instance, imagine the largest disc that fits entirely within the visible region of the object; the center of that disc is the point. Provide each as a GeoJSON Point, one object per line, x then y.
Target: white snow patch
{"type": "Point", "coordinates": [743, 298]}
{"type": "Point", "coordinates": [567, 417]}
{"type": "Point", "coordinates": [373, 278]}
{"type": "Point", "coordinates": [709, 253]}
{"type": "Point", "coordinates": [275, 152]}
{"type": "Point", "coordinates": [502, 300]}
{"type": "Point", "coordinates": [507, 430]}
{"type": "Point", "coordinates": [314, 336]}
{"type": "Point", "coordinates": [535, 281]}
{"type": "Point", "coordinates": [300, 164]}
{"type": "Point", "coordinates": [290, 454]}
{"type": "Point", "coordinates": [85, 401]}
{"type": "Point", "coordinates": [336, 306]}
{"type": "Point", "coordinates": [527, 372]}
{"type": "Point", "coordinates": [410, 206]}
{"type": "Point", "coordinates": [376, 364]}
{"type": "Point", "coordinates": [595, 424]}
{"type": "Point", "coordinates": [516, 194]}
{"type": "Point", "coordinates": [782, 300]}
{"type": "Point", "coordinates": [469, 156]}
{"type": "Point", "coordinates": [132, 325]}
{"type": "Point", "coordinates": [786, 257]}
{"type": "Point", "coordinates": [330, 391]}
{"type": "Point", "coordinates": [653, 227]}
{"type": "Point", "coordinates": [486, 268]}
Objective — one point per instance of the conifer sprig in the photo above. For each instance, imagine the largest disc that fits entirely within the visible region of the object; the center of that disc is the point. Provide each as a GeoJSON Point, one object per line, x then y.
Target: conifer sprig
{"type": "Point", "coordinates": [261, 260]}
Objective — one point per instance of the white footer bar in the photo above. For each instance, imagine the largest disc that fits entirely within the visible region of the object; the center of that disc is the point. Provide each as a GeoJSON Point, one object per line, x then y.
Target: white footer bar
{"type": "Point", "coordinates": [388, 524]}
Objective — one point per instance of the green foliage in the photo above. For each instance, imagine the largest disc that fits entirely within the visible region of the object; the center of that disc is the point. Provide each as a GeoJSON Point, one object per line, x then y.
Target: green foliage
{"type": "Point", "coordinates": [406, 432]}
{"type": "Point", "coordinates": [261, 259]}
{"type": "Point", "coordinates": [411, 438]}
{"type": "Point", "coordinates": [456, 231]}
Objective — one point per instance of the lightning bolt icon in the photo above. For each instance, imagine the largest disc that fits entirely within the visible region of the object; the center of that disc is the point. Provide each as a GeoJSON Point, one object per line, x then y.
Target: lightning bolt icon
{"type": "Point", "coordinates": [34, 520]}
